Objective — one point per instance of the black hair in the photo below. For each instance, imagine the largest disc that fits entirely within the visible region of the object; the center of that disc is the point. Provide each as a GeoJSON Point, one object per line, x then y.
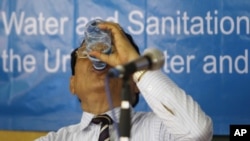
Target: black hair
{"type": "Point", "coordinates": [74, 57]}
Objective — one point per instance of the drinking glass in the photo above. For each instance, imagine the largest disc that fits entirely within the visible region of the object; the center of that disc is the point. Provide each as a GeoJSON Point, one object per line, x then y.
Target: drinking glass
{"type": "Point", "coordinates": [97, 40]}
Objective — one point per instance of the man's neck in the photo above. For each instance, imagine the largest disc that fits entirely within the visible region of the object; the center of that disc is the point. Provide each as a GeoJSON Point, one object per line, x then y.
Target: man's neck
{"type": "Point", "coordinates": [98, 107]}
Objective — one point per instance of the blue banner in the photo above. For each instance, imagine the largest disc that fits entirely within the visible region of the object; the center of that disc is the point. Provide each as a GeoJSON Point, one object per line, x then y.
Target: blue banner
{"type": "Point", "coordinates": [205, 43]}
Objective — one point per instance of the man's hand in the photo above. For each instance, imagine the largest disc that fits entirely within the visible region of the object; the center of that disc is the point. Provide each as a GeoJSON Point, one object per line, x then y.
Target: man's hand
{"type": "Point", "coordinates": [123, 51]}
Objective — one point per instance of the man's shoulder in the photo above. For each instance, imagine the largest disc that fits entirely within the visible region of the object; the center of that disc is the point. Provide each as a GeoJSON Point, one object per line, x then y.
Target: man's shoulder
{"type": "Point", "coordinates": [144, 117]}
{"type": "Point", "coordinates": [70, 128]}
{"type": "Point", "coordinates": [60, 134]}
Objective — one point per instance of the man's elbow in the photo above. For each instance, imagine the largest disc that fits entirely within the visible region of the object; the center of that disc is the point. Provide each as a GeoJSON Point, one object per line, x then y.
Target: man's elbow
{"type": "Point", "coordinates": [204, 132]}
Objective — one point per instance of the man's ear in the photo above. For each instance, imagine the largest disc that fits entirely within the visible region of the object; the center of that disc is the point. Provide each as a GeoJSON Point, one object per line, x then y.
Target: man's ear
{"type": "Point", "coordinates": [72, 84]}
{"type": "Point", "coordinates": [134, 87]}
{"type": "Point", "coordinates": [135, 94]}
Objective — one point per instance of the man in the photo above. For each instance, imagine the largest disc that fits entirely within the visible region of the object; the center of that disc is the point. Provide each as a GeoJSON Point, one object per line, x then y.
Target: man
{"type": "Point", "coordinates": [175, 116]}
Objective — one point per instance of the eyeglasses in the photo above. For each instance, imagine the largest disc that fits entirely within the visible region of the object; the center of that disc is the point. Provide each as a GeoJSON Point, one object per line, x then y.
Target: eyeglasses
{"type": "Point", "coordinates": [81, 52]}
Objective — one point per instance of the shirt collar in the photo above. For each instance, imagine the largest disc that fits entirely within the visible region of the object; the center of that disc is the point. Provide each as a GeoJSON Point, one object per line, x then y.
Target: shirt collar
{"type": "Point", "coordinates": [87, 117]}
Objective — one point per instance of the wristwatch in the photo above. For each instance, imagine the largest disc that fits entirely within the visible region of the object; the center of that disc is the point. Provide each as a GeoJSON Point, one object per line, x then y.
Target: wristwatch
{"type": "Point", "coordinates": [137, 75]}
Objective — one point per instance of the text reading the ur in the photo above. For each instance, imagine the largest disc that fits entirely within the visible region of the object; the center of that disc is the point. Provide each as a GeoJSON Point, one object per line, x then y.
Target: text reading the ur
{"type": "Point", "coordinates": [28, 63]}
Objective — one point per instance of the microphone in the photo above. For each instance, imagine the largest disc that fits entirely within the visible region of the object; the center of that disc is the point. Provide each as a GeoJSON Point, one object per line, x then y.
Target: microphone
{"type": "Point", "coordinates": [152, 59]}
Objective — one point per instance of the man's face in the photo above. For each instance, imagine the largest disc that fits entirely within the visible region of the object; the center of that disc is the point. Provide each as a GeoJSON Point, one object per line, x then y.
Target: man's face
{"type": "Point", "coordinates": [88, 82]}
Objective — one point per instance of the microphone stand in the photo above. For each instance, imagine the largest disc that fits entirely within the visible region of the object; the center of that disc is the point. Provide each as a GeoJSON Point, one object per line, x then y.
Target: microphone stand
{"type": "Point", "coordinates": [125, 121]}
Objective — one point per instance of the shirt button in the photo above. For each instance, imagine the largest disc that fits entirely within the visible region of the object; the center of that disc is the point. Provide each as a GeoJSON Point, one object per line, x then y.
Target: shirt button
{"type": "Point", "coordinates": [149, 88]}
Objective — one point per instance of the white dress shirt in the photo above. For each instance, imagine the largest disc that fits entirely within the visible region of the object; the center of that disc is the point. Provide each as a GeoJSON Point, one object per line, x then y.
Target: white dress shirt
{"type": "Point", "coordinates": [175, 117]}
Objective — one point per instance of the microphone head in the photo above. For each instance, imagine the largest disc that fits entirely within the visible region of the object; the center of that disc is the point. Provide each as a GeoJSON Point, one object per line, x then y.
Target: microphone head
{"type": "Point", "coordinates": [156, 56]}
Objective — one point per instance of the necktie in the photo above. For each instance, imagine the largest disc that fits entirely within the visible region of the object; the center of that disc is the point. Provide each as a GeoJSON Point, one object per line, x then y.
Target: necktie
{"type": "Point", "coordinates": [105, 121]}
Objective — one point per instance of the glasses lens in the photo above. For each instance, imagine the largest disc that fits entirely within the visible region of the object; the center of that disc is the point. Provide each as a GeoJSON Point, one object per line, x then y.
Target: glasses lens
{"type": "Point", "coordinates": [82, 53]}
